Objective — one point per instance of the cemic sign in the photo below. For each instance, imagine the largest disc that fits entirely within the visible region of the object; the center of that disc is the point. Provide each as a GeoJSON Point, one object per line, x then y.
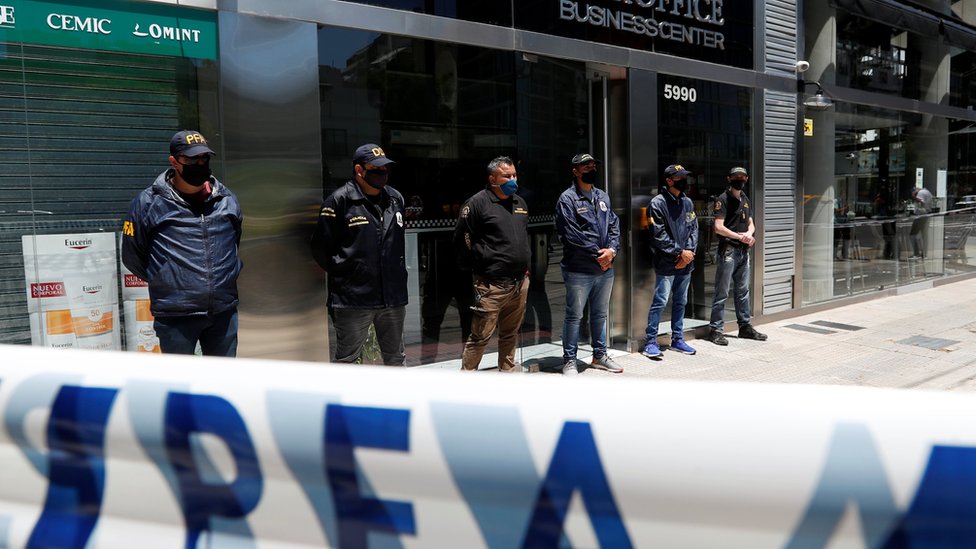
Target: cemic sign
{"type": "Point", "coordinates": [74, 23]}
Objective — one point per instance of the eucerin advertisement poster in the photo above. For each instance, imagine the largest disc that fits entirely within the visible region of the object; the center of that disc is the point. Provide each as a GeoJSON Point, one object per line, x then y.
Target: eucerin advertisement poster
{"type": "Point", "coordinates": [72, 290]}
{"type": "Point", "coordinates": [140, 336]}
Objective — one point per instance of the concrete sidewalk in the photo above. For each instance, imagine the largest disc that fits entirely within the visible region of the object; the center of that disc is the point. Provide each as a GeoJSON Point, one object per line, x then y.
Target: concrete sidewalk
{"type": "Point", "coordinates": [924, 337]}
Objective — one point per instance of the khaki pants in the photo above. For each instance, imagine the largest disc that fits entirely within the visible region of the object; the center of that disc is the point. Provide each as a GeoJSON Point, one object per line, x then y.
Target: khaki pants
{"type": "Point", "coordinates": [501, 304]}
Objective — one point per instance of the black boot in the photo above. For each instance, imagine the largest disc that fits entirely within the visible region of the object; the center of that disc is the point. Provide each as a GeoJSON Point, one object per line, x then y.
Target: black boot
{"type": "Point", "coordinates": [748, 332]}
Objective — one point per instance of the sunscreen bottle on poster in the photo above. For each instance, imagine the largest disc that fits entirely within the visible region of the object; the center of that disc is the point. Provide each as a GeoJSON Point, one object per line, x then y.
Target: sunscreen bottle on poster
{"type": "Point", "coordinates": [59, 330]}
{"type": "Point", "coordinates": [91, 310]}
{"type": "Point", "coordinates": [147, 340]}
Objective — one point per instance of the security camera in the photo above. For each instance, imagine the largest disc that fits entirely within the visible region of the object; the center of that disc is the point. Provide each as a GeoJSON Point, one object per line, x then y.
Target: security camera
{"type": "Point", "coordinates": [802, 66]}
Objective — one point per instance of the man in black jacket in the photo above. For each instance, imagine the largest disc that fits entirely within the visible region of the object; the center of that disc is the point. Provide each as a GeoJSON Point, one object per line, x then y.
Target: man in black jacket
{"type": "Point", "coordinates": [182, 236]}
{"type": "Point", "coordinates": [492, 241]}
{"type": "Point", "coordinates": [359, 241]}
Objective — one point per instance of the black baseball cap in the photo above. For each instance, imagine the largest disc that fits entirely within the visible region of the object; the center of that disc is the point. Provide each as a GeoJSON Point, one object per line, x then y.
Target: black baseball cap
{"type": "Point", "coordinates": [189, 143]}
{"type": "Point", "coordinates": [371, 153]}
{"type": "Point", "coordinates": [738, 170]}
{"type": "Point", "coordinates": [676, 170]}
{"type": "Point", "coordinates": [583, 158]}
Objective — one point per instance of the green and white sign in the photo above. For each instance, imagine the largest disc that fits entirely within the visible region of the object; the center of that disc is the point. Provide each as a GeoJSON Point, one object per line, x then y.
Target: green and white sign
{"type": "Point", "coordinates": [114, 25]}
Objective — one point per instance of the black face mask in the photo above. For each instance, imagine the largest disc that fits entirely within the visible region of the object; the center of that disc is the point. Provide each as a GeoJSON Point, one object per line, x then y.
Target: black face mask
{"type": "Point", "coordinates": [680, 184]}
{"type": "Point", "coordinates": [196, 174]}
{"type": "Point", "coordinates": [737, 184]}
{"type": "Point", "coordinates": [375, 179]}
{"type": "Point", "coordinates": [590, 178]}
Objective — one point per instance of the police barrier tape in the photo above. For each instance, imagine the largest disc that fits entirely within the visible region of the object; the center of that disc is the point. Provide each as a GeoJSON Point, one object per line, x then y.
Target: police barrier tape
{"type": "Point", "coordinates": [108, 450]}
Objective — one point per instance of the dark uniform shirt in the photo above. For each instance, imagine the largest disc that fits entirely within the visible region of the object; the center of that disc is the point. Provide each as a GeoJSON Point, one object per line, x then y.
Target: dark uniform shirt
{"type": "Point", "coordinates": [492, 236]}
{"type": "Point", "coordinates": [585, 226]}
{"type": "Point", "coordinates": [361, 245]}
{"type": "Point", "coordinates": [736, 213]}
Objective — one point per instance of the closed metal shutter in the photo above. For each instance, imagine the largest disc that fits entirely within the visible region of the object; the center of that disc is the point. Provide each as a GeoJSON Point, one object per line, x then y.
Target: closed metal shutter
{"type": "Point", "coordinates": [779, 160]}
{"type": "Point", "coordinates": [781, 37]}
{"type": "Point", "coordinates": [81, 132]}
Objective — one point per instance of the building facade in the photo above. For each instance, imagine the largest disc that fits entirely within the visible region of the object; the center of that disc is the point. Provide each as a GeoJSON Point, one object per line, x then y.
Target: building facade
{"type": "Point", "coordinates": [286, 91]}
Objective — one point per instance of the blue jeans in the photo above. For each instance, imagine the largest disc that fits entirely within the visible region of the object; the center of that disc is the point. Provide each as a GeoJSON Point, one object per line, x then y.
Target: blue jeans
{"type": "Point", "coordinates": [582, 288]}
{"type": "Point", "coordinates": [352, 328]}
{"type": "Point", "coordinates": [217, 334]}
{"type": "Point", "coordinates": [663, 286]}
{"type": "Point", "coordinates": [733, 267]}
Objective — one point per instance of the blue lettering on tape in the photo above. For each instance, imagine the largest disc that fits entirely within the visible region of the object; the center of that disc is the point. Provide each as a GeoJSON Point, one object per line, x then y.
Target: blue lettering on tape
{"type": "Point", "coordinates": [576, 465]}
{"type": "Point", "coordinates": [348, 428]}
{"type": "Point", "coordinates": [34, 393]}
{"type": "Point", "coordinates": [943, 513]}
{"type": "Point", "coordinates": [76, 467]}
{"type": "Point", "coordinates": [201, 500]}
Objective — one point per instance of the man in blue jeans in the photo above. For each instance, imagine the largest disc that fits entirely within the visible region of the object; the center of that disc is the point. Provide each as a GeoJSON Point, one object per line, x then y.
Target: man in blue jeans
{"type": "Point", "coordinates": [590, 233]}
{"type": "Point", "coordinates": [674, 239]}
{"type": "Point", "coordinates": [734, 227]}
{"type": "Point", "coordinates": [181, 236]}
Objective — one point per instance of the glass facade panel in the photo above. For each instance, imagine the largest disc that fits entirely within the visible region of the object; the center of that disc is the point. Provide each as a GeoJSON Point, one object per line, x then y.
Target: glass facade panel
{"type": "Point", "coordinates": [881, 58]}
{"type": "Point", "coordinates": [442, 112]}
{"type": "Point", "coordinates": [865, 230]}
{"type": "Point", "coordinates": [864, 227]}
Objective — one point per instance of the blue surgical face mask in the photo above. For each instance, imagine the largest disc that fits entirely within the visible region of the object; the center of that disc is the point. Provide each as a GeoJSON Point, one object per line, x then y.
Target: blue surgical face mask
{"type": "Point", "coordinates": [509, 187]}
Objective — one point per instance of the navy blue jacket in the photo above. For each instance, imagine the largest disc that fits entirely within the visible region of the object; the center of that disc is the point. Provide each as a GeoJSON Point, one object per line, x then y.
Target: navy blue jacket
{"type": "Point", "coordinates": [187, 253]}
{"type": "Point", "coordinates": [585, 227]}
{"type": "Point", "coordinates": [674, 227]}
{"type": "Point", "coordinates": [362, 247]}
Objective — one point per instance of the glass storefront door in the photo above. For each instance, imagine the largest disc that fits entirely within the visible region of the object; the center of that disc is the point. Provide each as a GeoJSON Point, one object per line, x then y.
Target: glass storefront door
{"type": "Point", "coordinates": [442, 112]}
{"type": "Point", "coordinates": [708, 128]}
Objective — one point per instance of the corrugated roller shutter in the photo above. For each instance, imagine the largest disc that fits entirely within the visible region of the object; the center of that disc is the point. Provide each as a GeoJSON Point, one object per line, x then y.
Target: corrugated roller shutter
{"type": "Point", "coordinates": [779, 201]}
{"type": "Point", "coordinates": [781, 37]}
{"type": "Point", "coordinates": [81, 132]}
{"type": "Point", "coordinates": [779, 160]}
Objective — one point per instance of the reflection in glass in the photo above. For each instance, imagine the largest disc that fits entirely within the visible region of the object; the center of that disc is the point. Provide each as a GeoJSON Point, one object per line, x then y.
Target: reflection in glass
{"type": "Point", "coordinates": [871, 226]}
{"type": "Point", "coordinates": [881, 58]}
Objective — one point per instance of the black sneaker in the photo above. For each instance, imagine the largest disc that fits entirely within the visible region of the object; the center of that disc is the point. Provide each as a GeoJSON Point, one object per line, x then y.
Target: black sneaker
{"type": "Point", "coordinates": [717, 338]}
{"type": "Point", "coordinates": [748, 332]}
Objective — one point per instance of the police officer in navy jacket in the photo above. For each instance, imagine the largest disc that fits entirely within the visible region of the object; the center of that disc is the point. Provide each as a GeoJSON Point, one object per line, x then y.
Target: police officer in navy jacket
{"type": "Point", "coordinates": [674, 240]}
{"type": "Point", "coordinates": [181, 236]}
{"type": "Point", "coordinates": [359, 241]}
{"type": "Point", "coordinates": [590, 233]}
